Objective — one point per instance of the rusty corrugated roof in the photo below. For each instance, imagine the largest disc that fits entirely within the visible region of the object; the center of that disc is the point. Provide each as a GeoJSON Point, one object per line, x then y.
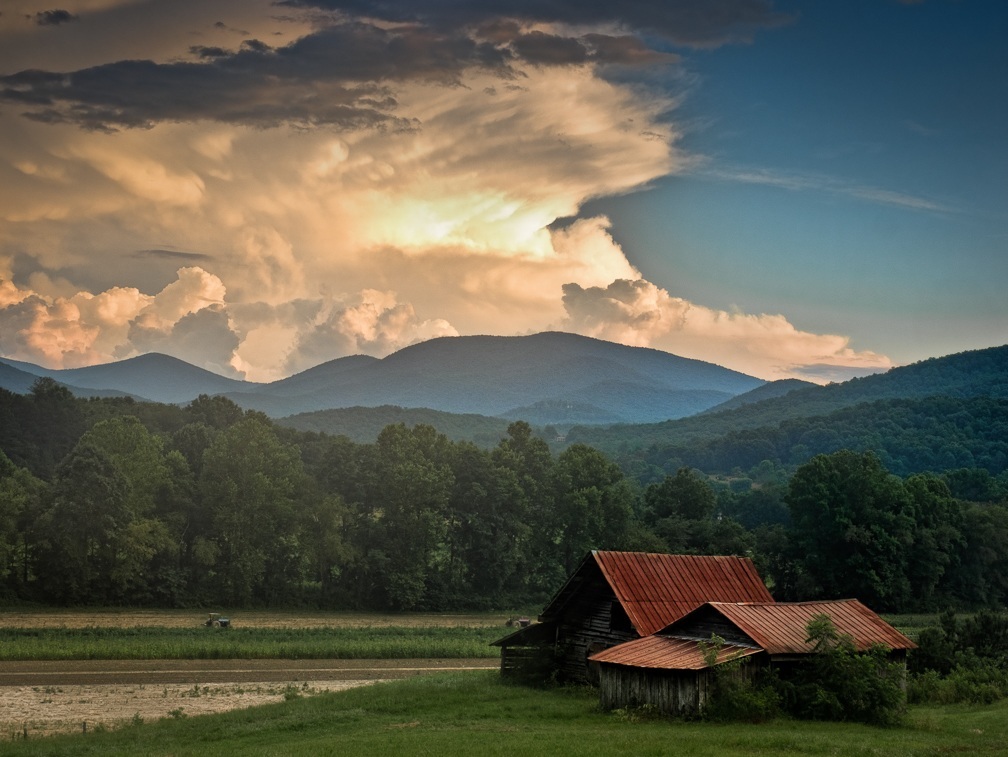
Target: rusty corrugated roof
{"type": "Point", "coordinates": [657, 589]}
{"type": "Point", "coordinates": [667, 653]}
{"type": "Point", "coordinates": [780, 627]}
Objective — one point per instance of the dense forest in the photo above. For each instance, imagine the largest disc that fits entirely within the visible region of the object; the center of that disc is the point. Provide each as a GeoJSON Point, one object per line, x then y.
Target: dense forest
{"type": "Point", "coordinates": [111, 501]}
{"type": "Point", "coordinates": [964, 376]}
{"type": "Point", "coordinates": [909, 436]}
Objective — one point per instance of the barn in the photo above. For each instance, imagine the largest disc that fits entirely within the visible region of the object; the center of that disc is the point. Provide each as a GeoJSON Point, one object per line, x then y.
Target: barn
{"type": "Point", "coordinates": [669, 671]}
{"type": "Point", "coordinates": [615, 597]}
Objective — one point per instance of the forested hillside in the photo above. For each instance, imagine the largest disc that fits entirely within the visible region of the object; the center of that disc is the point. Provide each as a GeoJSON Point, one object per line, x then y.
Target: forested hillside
{"type": "Point", "coordinates": [769, 427]}
{"type": "Point", "coordinates": [909, 436]}
{"type": "Point", "coordinates": [111, 501]}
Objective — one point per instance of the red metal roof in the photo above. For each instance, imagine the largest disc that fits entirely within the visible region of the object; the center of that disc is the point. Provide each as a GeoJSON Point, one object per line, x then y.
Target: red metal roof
{"type": "Point", "coordinates": [656, 589]}
{"type": "Point", "coordinates": [780, 627]}
{"type": "Point", "coordinates": [667, 653]}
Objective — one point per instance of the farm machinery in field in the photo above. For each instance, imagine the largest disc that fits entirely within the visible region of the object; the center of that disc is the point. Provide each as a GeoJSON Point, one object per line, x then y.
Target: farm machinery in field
{"type": "Point", "coordinates": [216, 620]}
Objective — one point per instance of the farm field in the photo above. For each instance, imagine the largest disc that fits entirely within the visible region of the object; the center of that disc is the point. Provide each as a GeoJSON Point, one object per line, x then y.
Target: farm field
{"type": "Point", "coordinates": [115, 668]}
{"type": "Point", "coordinates": [60, 669]}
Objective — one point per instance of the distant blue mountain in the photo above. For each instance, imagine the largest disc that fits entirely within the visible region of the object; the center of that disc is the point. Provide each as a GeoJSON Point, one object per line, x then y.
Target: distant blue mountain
{"type": "Point", "coordinates": [494, 375]}
{"type": "Point", "coordinates": [488, 375]}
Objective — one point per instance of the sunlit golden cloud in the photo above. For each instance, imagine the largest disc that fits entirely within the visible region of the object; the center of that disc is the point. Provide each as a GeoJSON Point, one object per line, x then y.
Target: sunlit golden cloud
{"type": "Point", "coordinates": [249, 234]}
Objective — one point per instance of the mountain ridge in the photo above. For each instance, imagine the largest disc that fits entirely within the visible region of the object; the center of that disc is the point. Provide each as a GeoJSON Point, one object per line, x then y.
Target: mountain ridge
{"type": "Point", "coordinates": [486, 375]}
{"type": "Point", "coordinates": [971, 373]}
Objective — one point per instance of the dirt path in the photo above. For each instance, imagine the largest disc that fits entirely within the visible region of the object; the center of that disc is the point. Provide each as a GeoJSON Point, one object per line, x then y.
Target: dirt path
{"type": "Point", "coordinates": [109, 672]}
{"type": "Point", "coordinates": [40, 698]}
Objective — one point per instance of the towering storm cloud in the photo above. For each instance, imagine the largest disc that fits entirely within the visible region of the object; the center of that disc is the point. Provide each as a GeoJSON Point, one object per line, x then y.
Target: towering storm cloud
{"type": "Point", "coordinates": [259, 187]}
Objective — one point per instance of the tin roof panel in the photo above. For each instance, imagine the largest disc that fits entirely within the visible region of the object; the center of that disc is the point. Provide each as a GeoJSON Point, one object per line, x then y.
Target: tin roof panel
{"type": "Point", "coordinates": [781, 627]}
{"type": "Point", "coordinates": [666, 653]}
{"type": "Point", "coordinates": [657, 589]}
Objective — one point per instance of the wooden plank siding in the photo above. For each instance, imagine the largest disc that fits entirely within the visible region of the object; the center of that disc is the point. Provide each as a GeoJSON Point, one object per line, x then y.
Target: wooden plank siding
{"type": "Point", "coordinates": [586, 627]}
{"type": "Point", "coordinates": [677, 692]}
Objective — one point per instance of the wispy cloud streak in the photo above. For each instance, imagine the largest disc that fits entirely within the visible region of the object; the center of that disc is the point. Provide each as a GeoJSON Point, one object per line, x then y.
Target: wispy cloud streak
{"type": "Point", "coordinates": [805, 182]}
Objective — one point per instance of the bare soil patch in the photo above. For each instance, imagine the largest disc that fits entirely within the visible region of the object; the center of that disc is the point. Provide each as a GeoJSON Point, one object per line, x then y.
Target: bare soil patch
{"type": "Point", "coordinates": [45, 710]}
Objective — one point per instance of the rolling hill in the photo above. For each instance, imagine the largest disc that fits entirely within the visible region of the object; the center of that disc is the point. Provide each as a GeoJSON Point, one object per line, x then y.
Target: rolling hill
{"type": "Point", "coordinates": [486, 375]}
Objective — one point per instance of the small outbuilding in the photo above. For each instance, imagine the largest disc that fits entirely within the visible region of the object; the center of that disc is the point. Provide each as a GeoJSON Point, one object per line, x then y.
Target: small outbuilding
{"type": "Point", "coordinates": [669, 671]}
{"type": "Point", "coordinates": [615, 597]}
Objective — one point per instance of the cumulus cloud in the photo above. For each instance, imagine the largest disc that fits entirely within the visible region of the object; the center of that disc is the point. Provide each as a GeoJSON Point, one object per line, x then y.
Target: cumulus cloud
{"type": "Point", "coordinates": [642, 314]}
{"type": "Point", "coordinates": [203, 337]}
{"type": "Point", "coordinates": [85, 329]}
{"type": "Point", "coordinates": [376, 323]}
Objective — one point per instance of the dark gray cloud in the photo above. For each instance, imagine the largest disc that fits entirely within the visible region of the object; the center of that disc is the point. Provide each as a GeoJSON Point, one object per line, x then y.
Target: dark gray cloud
{"type": "Point", "coordinates": [341, 76]}
{"type": "Point", "coordinates": [699, 23]}
{"type": "Point", "coordinates": [346, 75]}
{"type": "Point", "coordinates": [172, 254]}
{"type": "Point", "coordinates": [54, 17]}
{"type": "Point", "coordinates": [549, 49]}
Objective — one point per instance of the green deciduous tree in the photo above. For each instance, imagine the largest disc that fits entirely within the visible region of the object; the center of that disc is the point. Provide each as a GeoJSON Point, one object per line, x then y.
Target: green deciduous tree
{"type": "Point", "coordinates": [249, 483]}
{"type": "Point", "coordinates": [594, 504]}
{"type": "Point", "coordinates": [408, 501]}
{"type": "Point", "coordinates": [488, 533]}
{"type": "Point", "coordinates": [85, 532]}
{"type": "Point", "coordinates": [21, 498]}
{"type": "Point", "coordinates": [937, 538]}
{"type": "Point", "coordinates": [528, 457]}
{"type": "Point", "coordinates": [852, 523]}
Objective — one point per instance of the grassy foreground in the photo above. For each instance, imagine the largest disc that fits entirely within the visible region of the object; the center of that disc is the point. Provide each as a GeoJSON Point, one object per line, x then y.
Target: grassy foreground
{"type": "Point", "coordinates": [475, 713]}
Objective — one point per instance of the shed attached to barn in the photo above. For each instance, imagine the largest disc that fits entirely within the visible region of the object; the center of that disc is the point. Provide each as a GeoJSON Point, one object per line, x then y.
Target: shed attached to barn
{"type": "Point", "coordinates": [669, 670]}
{"type": "Point", "coordinates": [614, 597]}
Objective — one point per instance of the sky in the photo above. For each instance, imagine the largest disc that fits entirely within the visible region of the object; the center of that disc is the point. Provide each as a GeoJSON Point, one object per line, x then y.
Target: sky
{"type": "Point", "coordinates": [788, 189]}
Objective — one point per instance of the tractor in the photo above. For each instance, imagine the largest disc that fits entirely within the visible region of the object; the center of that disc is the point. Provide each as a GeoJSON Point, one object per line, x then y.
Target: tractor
{"type": "Point", "coordinates": [216, 620]}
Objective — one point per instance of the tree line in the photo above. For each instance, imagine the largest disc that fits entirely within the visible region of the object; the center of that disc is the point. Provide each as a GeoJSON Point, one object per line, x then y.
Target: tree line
{"type": "Point", "coordinates": [110, 501]}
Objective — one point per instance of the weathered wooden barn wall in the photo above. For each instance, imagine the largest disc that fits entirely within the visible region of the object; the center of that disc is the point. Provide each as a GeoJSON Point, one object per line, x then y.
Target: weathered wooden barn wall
{"type": "Point", "coordinates": [592, 621]}
{"type": "Point", "coordinates": [532, 664]}
{"type": "Point", "coordinates": [677, 692]}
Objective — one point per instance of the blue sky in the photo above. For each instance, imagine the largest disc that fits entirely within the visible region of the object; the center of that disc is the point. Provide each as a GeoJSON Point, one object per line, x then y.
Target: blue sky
{"type": "Point", "coordinates": [810, 189]}
{"type": "Point", "coordinates": [854, 167]}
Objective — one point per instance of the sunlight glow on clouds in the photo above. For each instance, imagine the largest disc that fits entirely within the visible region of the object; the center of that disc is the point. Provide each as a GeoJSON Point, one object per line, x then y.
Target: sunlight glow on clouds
{"type": "Point", "coordinates": [641, 314]}
{"type": "Point", "coordinates": [336, 195]}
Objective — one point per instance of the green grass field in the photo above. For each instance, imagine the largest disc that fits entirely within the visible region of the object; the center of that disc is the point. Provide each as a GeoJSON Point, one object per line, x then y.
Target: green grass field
{"type": "Point", "coordinates": [477, 714]}
{"type": "Point", "coordinates": [145, 643]}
